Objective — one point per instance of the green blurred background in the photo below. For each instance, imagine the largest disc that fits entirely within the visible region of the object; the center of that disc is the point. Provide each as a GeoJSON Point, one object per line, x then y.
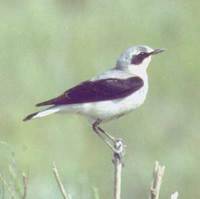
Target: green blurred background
{"type": "Point", "coordinates": [48, 46]}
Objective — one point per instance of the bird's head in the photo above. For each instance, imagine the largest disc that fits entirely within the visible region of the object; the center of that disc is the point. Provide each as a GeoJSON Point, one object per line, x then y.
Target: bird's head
{"type": "Point", "coordinates": [136, 58]}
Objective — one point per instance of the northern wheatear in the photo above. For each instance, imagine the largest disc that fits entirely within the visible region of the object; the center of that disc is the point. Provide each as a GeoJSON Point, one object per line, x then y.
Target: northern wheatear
{"type": "Point", "coordinates": [109, 95]}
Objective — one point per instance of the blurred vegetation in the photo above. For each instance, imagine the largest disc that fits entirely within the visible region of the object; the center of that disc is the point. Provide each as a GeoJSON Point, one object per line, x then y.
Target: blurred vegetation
{"type": "Point", "coordinates": [48, 46]}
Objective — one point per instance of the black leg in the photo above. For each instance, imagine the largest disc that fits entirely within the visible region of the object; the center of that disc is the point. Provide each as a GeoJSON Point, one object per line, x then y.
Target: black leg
{"type": "Point", "coordinates": [106, 134]}
{"type": "Point", "coordinates": [96, 125]}
{"type": "Point", "coordinates": [99, 132]}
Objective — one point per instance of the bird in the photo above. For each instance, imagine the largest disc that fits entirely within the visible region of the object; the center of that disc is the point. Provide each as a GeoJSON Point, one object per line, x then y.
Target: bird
{"type": "Point", "coordinates": [109, 95]}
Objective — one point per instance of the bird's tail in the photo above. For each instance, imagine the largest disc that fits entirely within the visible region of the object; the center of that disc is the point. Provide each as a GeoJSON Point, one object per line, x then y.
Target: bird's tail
{"type": "Point", "coordinates": [42, 113]}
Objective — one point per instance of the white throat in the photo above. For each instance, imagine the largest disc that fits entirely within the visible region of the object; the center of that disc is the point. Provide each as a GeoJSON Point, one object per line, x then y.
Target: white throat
{"type": "Point", "coordinates": [141, 69]}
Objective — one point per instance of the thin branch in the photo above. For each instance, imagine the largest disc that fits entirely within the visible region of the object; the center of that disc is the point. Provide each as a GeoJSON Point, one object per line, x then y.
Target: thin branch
{"type": "Point", "coordinates": [96, 193]}
{"type": "Point", "coordinates": [2, 191]}
{"type": "Point", "coordinates": [174, 195]}
{"type": "Point", "coordinates": [59, 182]}
{"type": "Point", "coordinates": [7, 186]}
{"type": "Point", "coordinates": [25, 184]}
{"type": "Point", "coordinates": [157, 181]}
{"type": "Point", "coordinates": [118, 164]}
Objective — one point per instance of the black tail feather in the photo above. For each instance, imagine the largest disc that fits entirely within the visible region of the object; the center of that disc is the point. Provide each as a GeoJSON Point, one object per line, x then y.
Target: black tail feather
{"type": "Point", "coordinates": [29, 117]}
{"type": "Point", "coordinates": [44, 103]}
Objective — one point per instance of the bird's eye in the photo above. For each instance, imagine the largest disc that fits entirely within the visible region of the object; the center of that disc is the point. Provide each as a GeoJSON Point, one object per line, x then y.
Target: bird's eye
{"type": "Point", "coordinates": [137, 59]}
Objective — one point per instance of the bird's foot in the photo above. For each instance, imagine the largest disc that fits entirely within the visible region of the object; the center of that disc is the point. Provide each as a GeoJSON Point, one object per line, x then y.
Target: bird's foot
{"type": "Point", "coordinates": [118, 150]}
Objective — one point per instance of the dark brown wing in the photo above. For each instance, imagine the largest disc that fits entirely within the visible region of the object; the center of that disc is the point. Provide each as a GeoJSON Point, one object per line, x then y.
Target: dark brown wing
{"type": "Point", "coordinates": [99, 90]}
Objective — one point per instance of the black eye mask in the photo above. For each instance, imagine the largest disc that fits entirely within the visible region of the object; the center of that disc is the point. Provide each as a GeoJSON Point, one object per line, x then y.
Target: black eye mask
{"type": "Point", "coordinates": [138, 59]}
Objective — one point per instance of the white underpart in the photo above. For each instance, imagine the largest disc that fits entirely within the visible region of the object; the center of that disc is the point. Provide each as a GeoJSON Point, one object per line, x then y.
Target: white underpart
{"type": "Point", "coordinates": [46, 112]}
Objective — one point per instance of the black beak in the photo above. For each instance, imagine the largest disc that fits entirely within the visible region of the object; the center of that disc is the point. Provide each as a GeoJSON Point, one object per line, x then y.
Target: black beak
{"type": "Point", "coordinates": [156, 51]}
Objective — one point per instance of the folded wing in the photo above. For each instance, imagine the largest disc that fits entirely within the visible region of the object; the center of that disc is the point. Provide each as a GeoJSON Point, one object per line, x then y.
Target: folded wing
{"type": "Point", "coordinates": [99, 90]}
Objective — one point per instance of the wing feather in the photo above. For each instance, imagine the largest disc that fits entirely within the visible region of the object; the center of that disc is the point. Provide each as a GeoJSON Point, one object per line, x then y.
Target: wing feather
{"type": "Point", "coordinates": [99, 90]}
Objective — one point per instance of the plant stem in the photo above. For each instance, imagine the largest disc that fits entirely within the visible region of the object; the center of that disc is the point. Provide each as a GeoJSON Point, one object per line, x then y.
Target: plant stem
{"type": "Point", "coordinates": [118, 164]}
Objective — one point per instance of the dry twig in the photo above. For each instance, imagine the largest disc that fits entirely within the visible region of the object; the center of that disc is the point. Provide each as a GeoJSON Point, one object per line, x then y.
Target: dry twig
{"type": "Point", "coordinates": [12, 195]}
{"type": "Point", "coordinates": [96, 193]}
{"type": "Point", "coordinates": [25, 184]}
{"type": "Point", "coordinates": [118, 164]}
{"type": "Point", "coordinates": [59, 182]}
{"type": "Point", "coordinates": [157, 181]}
{"type": "Point", "coordinates": [174, 195]}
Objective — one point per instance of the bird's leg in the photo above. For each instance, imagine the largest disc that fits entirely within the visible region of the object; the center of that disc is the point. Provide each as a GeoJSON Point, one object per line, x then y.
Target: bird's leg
{"type": "Point", "coordinates": [99, 133]}
{"type": "Point", "coordinates": [98, 121]}
{"type": "Point", "coordinates": [107, 134]}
